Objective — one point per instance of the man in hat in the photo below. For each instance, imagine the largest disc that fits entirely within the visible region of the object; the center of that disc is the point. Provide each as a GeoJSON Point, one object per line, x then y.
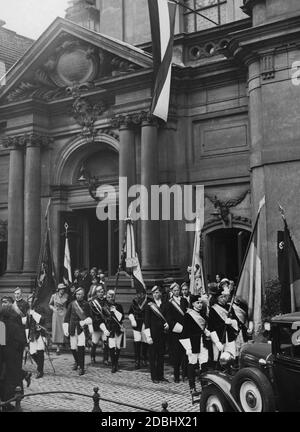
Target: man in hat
{"type": "Point", "coordinates": [100, 313]}
{"type": "Point", "coordinates": [176, 311]}
{"type": "Point", "coordinates": [20, 305]}
{"type": "Point", "coordinates": [194, 337]}
{"type": "Point", "coordinates": [224, 329]}
{"type": "Point", "coordinates": [76, 325]}
{"type": "Point", "coordinates": [156, 328]}
{"type": "Point", "coordinates": [36, 335]}
{"type": "Point", "coordinates": [114, 325]}
{"type": "Point", "coordinates": [136, 316]}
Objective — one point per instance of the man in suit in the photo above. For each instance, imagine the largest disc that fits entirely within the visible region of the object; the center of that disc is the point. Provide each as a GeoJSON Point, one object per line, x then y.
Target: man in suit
{"type": "Point", "coordinates": [185, 291]}
{"type": "Point", "coordinates": [20, 305]}
{"type": "Point", "coordinates": [177, 308]}
{"type": "Point", "coordinates": [76, 325]}
{"type": "Point", "coordinates": [156, 327]}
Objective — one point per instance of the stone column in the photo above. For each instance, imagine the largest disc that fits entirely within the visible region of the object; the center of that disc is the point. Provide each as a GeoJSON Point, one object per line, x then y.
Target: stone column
{"type": "Point", "coordinates": [149, 176]}
{"type": "Point", "coordinates": [15, 235]}
{"type": "Point", "coordinates": [32, 203]}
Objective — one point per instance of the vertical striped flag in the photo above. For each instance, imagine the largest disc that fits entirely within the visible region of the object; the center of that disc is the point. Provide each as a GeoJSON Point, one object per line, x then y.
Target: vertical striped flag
{"type": "Point", "coordinates": [197, 283]}
{"type": "Point", "coordinates": [132, 263]}
{"type": "Point", "coordinates": [67, 275]}
{"type": "Point", "coordinates": [162, 20]}
{"type": "Point", "coordinates": [249, 286]}
{"type": "Point", "coordinates": [288, 270]}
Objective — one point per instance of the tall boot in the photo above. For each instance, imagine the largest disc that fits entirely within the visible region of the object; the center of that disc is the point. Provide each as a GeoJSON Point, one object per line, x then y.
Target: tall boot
{"type": "Point", "coordinates": [137, 354]}
{"type": "Point", "coordinates": [81, 351]}
{"type": "Point", "coordinates": [191, 377]}
{"type": "Point", "coordinates": [145, 354]}
{"type": "Point", "coordinates": [93, 353]}
{"type": "Point", "coordinates": [113, 360]}
{"type": "Point", "coordinates": [105, 352]}
{"type": "Point", "coordinates": [40, 368]}
{"type": "Point", "coordinates": [117, 358]}
{"type": "Point", "coordinates": [75, 356]}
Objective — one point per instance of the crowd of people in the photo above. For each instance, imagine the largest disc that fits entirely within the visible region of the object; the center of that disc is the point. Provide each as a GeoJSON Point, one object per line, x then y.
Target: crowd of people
{"type": "Point", "coordinates": [192, 329]}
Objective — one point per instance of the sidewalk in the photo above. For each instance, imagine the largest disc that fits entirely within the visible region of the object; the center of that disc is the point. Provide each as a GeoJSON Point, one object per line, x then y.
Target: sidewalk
{"type": "Point", "coordinates": [127, 385]}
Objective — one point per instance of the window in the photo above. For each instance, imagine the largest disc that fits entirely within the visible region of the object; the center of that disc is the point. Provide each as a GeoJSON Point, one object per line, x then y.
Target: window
{"type": "Point", "coordinates": [286, 346]}
{"type": "Point", "coordinates": [212, 9]}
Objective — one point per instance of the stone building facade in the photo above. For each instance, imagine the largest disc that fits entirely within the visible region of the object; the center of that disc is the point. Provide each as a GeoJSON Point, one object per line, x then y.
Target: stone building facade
{"type": "Point", "coordinates": [76, 105]}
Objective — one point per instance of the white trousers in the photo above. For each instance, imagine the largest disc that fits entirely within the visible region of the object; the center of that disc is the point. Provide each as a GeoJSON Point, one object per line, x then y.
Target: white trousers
{"type": "Point", "coordinates": [77, 340]}
{"type": "Point", "coordinates": [96, 335]}
{"type": "Point", "coordinates": [139, 336]}
{"type": "Point", "coordinates": [37, 345]}
{"type": "Point", "coordinates": [115, 342]}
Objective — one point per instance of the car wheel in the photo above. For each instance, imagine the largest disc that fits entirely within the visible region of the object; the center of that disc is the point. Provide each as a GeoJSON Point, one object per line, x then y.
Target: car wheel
{"type": "Point", "coordinates": [212, 400]}
{"type": "Point", "coordinates": [253, 391]}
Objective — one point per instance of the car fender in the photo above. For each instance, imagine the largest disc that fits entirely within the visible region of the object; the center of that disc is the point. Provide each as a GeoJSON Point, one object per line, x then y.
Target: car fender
{"type": "Point", "coordinates": [223, 383]}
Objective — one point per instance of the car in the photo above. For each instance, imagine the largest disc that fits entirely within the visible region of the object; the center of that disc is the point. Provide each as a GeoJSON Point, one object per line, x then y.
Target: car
{"type": "Point", "coordinates": [267, 378]}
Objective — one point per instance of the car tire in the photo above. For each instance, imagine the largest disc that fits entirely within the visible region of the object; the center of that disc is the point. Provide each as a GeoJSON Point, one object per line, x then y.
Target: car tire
{"type": "Point", "coordinates": [213, 400]}
{"type": "Point", "coordinates": [253, 391]}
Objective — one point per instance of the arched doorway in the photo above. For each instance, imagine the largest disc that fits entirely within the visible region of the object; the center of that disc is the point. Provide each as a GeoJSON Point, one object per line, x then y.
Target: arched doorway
{"type": "Point", "coordinates": [93, 243]}
{"type": "Point", "coordinates": [224, 252]}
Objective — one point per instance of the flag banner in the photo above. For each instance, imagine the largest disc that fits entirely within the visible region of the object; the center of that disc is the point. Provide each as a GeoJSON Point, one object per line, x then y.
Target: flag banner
{"type": "Point", "coordinates": [249, 286]}
{"type": "Point", "coordinates": [46, 281]}
{"type": "Point", "coordinates": [132, 263]}
{"type": "Point", "coordinates": [197, 284]}
{"type": "Point", "coordinates": [67, 275]}
{"type": "Point", "coordinates": [162, 20]}
{"type": "Point", "coordinates": [288, 271]}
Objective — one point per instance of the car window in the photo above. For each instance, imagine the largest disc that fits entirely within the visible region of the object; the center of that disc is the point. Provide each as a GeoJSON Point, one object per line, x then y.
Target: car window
{"type": "Point", "coordinates": [286, 346]}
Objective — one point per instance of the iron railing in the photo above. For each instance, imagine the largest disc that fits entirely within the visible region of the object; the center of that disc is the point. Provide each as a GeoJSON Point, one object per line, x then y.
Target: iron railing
{"type": "Point", "coordinates": [19, 396]}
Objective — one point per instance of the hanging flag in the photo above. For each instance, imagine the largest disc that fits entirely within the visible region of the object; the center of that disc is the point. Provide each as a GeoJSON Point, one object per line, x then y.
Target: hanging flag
{"type": "Point", "coordinates": [197, 283]}
{"type": "Point", "coordinates": [288, 270]}
{"type": "Point", "coordinates": [67, 275]}
{"type": "Point", "coordinates": [249, 287]}
{"type": "Point", "coordinates": [132, 264]}
{"type": "Point", "coordinates": [162, 20]}
{"type": "Point", "coordinates": [46, 281]}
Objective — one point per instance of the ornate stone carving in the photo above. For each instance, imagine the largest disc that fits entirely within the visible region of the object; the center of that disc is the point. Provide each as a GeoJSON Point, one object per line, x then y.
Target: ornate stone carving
{"type": "Point", "coordinates": [73, 63]}
{"type": "Point", "coordinates": [86, 114]}
{"type": "Point", "coordinates": [3, 231]}
{"type": "Point", "coordinates": [207, 49]}
{"type": "Point", "coordinates": [223, 207]}
{"type": "Point", "coordinates": [29, 140]}
{"type": "Point", "coordinates": [133, 119]}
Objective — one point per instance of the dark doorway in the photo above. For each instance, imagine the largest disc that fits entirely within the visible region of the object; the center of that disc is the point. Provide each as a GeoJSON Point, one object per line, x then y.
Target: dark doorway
{"type": "Point", "coordinates": [3, 256]}
{"type": "Point", "coordinates": [93, 243]}
{"type": "Point", "coordinates": [225, 250]}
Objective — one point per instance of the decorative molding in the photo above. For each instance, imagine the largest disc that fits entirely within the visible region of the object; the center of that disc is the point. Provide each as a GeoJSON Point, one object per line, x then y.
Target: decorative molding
{"type": "Point", "coordinates": [268, 66]}
{"type": "Point", "coordinates": [223, 207]}
{"type": "Point", "coordinates": [86, 114]}
{"type": "Point", "coordinates": [133, 120]}
{"type": "Point", "coordinates": [208, 49]}
{"type": "Point", "coordinates": [236, 220]}
{"type": "Point", "coordinates": [3, 231]}
{"type": "Point", "coordinates": [26, 140]}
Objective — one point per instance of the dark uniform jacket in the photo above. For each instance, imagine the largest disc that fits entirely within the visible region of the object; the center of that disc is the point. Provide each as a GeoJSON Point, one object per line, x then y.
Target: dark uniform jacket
{"type": "Point", "coordinates": [100, 312]}
{"type": "Point", "coordinates": [137, 309]}
{"type": "Point", "coordinates": [113, 324]}
{"type": "Point", "coordinates": [23, 306]}
{"type": "Point", "coordinates": [154, 322]}
{"type": "Point", "coordinates": [73, 319]}
{"type": "Point", "coordinates": [195, 332]}
{"type": "Point", "coordinates": [217, 323]}
{"type": "Point", "coordinates": [85, 283]}
{"type": "Point", "coordinates": [174, 314]}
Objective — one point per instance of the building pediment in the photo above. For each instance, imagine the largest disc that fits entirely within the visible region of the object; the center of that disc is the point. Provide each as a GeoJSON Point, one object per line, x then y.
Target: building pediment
{"type": "Point", "coordinates": [67, 56]}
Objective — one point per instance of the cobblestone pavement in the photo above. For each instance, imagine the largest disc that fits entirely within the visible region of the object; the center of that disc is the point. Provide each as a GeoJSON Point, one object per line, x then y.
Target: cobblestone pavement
{"type": "Point", "coordinates": [127, 385]}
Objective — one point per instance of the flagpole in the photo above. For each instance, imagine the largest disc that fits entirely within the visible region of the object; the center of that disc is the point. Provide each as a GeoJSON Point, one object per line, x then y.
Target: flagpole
{"type": "Point", "coordinates": [121, 259]}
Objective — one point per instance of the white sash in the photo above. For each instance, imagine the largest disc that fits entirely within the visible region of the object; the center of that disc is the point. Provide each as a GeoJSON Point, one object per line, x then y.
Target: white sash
{"type": "Point", "coordinates": [176, 306]}
{"type": "Point", "coordinates": [197, 318]}
{"type": "Point", "coordinates": [220, 311]}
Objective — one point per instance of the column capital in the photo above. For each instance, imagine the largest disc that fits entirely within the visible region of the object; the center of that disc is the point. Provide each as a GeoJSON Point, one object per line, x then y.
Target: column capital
{"type": "Point", "coordinates": [19, 142]}
{"type": "Point", "coordinates": [132, 120]}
